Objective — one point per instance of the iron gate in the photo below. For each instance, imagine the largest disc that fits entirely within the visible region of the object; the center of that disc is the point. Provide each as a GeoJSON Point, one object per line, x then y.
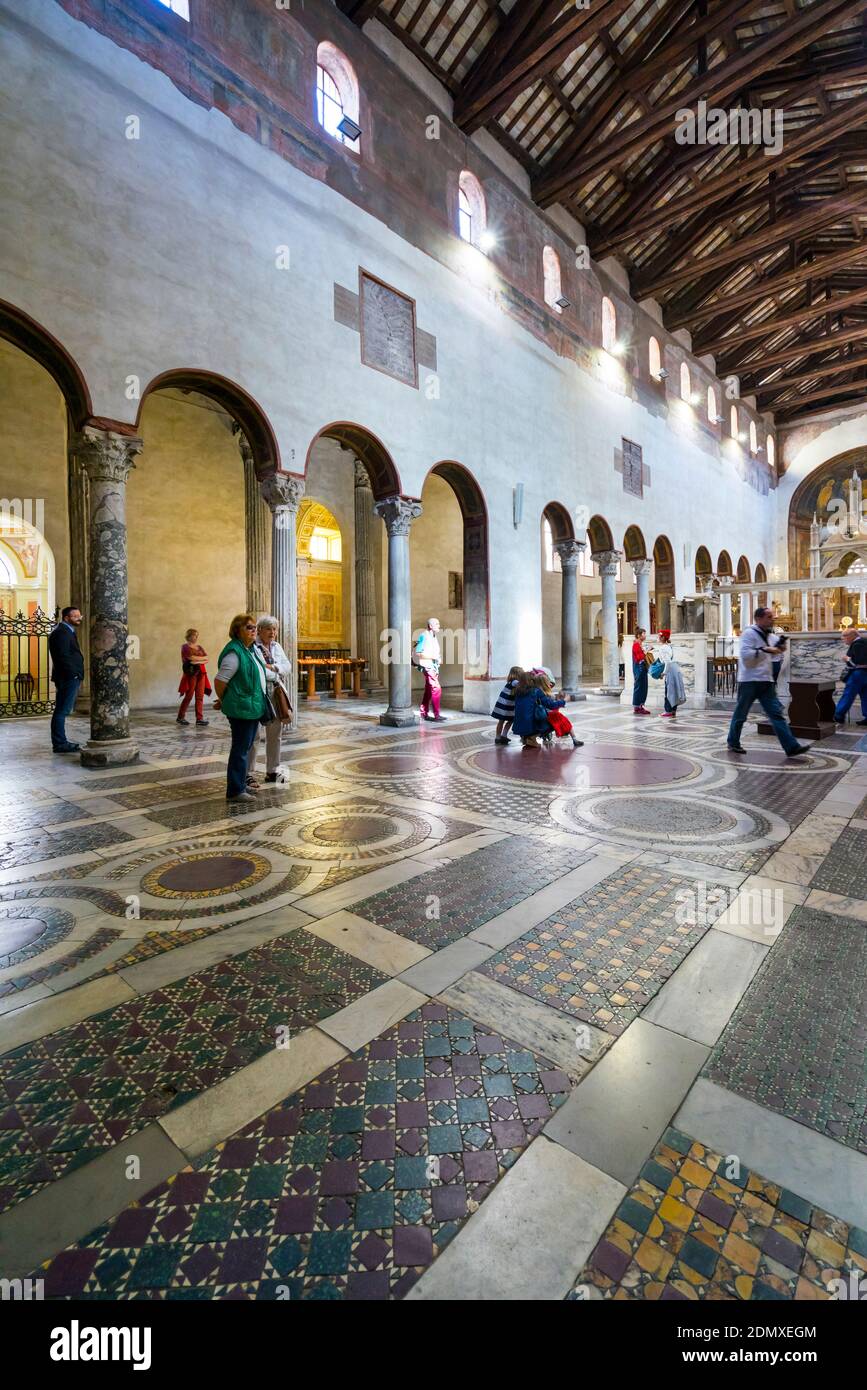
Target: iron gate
{"type": "Point", "coordinates": [25, 665]}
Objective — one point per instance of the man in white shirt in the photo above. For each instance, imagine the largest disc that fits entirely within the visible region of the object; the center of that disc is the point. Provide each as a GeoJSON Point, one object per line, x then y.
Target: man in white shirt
{"type": "Point", "coordinates": [428, 656]}
{"type": "Point", "coordinates": [756, 682]}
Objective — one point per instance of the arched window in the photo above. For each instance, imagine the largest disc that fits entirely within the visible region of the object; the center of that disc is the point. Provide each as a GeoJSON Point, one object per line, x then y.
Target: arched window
{"type": "Point", "coordinates": [754, 438]}
{"type": "Point", "coordinates": [609, 325]}
{"type": "Point", "coordinates": [711, 406]}
{"type": "Point", "coordinates": [685, 384]}
{"type": "Point", "coordinates": [733, 422]}
{"type": "Point", "coordinates": [337, 95]}
{"type": "Point", "coordinates": [472, 211]}
{"type": "Point", "coordinates": [654, 359]}
{"type": "Point", "coordinates": [553, 279]}
{"type": "Point", "coordinates": [552, 559]}
{"type": "Point", "coordinates": [7, 577]}
{"type": "Point", "coordinates": [772, 450]}
{"type": "Point", "coordinates": [180, 7]}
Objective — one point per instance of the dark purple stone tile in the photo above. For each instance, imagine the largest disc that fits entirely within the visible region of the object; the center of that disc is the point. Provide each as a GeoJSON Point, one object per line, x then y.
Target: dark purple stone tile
{"type": "Point", "coordinates": [295, 1216]}
{"type": "Point", "coordinates": [69, 1271]}
{"type": "Point", "coordinates": [449, 1203]}
{"type": "Point", "coordinates": [480, 1167]}
{"type": "Point", "coordinates": [411, 1113]}
{"type": "Point", "coordinates": [188, 1188]}
{"type": "Point", "coordinates": [243, 1260]}
{"type": "Point", "coordinates": [132, 1227]}
{"type": "Point", "coordinates": [509, 1135]}
{"type": "Point", "coordinates": [367, 1287]}
{"type": "Point", "coordinates": [238, 1153]}
{"type": "Point", "coordinates": [372, 1251]}
{"type": "Point", "coordinates": [534, 1107]}
{"type": "Point", "coordinates": [609, 1260]}
{"type": "Point", "coordinates": [413, 1245]}
{"type": "Point", "coordinates": [782, 1249]}
{"type": "Point", "coordinates": [716, 1210]}
{"type": "Point", "coordinates": [340, 1175]}
{"type": "Point", "coordinates": [378, 1143]}
{"type": "Point", "coordinates": [439, 1088]}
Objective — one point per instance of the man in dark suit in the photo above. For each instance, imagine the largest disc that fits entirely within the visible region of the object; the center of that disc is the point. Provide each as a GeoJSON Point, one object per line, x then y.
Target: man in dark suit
{"type": "Point", "coordinates": [67, 673]}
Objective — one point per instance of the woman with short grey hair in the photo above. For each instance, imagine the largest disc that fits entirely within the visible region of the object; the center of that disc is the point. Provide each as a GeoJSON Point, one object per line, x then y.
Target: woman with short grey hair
{"type": "Point", "coordinates": [278, 672]}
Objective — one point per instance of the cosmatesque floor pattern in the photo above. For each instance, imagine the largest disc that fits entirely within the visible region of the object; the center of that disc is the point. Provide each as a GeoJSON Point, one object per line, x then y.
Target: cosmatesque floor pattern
{"type": "Point", "coordinates": [395, 984]}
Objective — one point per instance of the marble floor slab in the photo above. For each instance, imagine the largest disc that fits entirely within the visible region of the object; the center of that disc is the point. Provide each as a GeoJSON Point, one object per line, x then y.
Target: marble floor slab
{"type": "Point", "coordinates": [699, 999]}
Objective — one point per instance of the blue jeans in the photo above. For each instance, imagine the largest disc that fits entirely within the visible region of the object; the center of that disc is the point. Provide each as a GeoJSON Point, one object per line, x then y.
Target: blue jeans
{"type": "Point", "coordinates": [639, 685]}
{"type": "Point", "coordinates": [243, 737]}
{"type": "Point", "coordinates": [856, 684]}
{"type": "Point", "coordinates": [65, 696]}
{"type": "Point", "coordinates": [765, 693]}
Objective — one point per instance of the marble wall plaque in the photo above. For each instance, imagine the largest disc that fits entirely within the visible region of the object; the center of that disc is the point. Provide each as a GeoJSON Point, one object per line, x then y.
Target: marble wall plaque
{"type": "Point", "coordinates": [388, 338]}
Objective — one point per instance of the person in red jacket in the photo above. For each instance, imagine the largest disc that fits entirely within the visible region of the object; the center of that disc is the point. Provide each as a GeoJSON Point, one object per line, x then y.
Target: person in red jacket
{"type": "Point", "coordinates": [194, 681]}
{"type": "Point", "coordinates": [640, 661]}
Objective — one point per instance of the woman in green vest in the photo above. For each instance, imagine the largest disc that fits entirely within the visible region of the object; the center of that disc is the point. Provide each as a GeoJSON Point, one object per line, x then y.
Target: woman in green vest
{"type": "Point", "coordinates": [240, 687]}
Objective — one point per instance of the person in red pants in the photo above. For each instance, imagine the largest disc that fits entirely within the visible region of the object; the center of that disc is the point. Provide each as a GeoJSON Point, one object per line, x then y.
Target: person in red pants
{"type": "Point", "coordinates": [194, 681]}
{"type": "Point", "coordinates": [428, 656]}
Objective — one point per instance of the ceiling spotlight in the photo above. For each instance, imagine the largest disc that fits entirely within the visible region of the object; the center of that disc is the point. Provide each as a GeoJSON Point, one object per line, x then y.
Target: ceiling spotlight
{"type": "Point", "coordinates": [487, 241]}
{"type": "Point", "coordinates": [562, 303]}
{"type": "Point", "coordinates": [349, 129]}
{"type": "Point", "coordinates": [662, 375]}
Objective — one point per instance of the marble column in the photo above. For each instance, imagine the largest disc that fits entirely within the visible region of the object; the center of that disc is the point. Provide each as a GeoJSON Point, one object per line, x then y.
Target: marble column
{"type": "Point", "coordinates": [107, 459]}
{"type": "Point", "coordinates": [725, 597]}
{"type": "Point", "coordinates": [366, 626]}
{"type": "Point", "coordinates": [744, 620]}
{"type": "Point", "coordinates": [257, 524]}
{"type": "Point", "coordinates": [570, 616]}
{"type": "Point", "coordinates": [641, 570]}
{"type": "Point", "coordinates": [608, 562]}
{"type": "Point", "coordinates": [79, 525]}
{"type": "Point", "coordinates": [283, 494]}
{"type": "Point", "coordinates": [805, 610]}
{"type": "Point", "coordinates": [862, 608]}
{"type": "Point", "coordinates": [398, 513]}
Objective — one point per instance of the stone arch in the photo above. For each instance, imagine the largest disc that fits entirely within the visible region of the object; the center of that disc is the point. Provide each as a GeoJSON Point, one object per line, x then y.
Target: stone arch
{"type": "Point", "coordinates": [236, 402]}
{"type": "Point", "coordinates": [558, 518]}
{"type": "Point", "coordinates": [634, 544]}
{"type": "Point", "coordinates": [599, 535]}
{"type": "Point", "coordinates": [744, 575]}
{"type": "Point", "coordinates": [371, 453]}
{"type": "Point", "coordinates": [476, 572]}
{"type": "Point", "coordinates": [25, 333]}
{"type": "Point", "coordinates": [724, 563]}
{"type": "Point", "coordinates": [703, 564]}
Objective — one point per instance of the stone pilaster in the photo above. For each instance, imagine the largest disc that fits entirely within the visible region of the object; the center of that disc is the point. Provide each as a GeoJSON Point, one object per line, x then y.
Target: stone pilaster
{"type": "Point", "coordinates": [641, 570]}
{"type": "Point", "coordinates": [570, 616]}
{"type": "Point", "coordinates": [365, 580]}
{"type": "Point", "coordinates": [744, 611]}
{"type": "Point", "coordinates": [725, 598]}
{"type": "Point", "coordinates": [79, 527]}
{"type": "Point", "coordinates": [283, 494]}
{"type": "Point", "coordinates": [608, 562]}
{"type": "Point", "coordinates": [398, 513]}
{"type": "Point", "coordinates": [257, 528]}
{"type": "Point", "coordinates": [107, 459]}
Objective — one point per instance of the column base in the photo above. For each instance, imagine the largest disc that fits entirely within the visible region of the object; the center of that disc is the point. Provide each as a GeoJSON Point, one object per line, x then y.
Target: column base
{"type": "Point", "coordinates": [571, 693]}
{"type": "Point", "coordinates": [399, 718]}
{"type": "Point", "coordinates": [110, 753]}
{"type": "Point", "coordinates": [616, 690]}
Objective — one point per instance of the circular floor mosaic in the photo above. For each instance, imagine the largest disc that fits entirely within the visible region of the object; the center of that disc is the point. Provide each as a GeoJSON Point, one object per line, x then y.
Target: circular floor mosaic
{"type": "Point", "coordinates": [666, 813]}
{"type": "Point", "coordinates": [26, 931]}
{"type": "Point", "coordinates": [206, 875]}
{"type": "Point", "coordinates": [356, 830]}
{"type": "Point", "coordinates": [383, 767]}
{"type": "Point", "coordinates": [595, 765]}
{"type": "Point", "coordinates": [687, 821]}
{"type": "Point", "coordinates": [350, 830]}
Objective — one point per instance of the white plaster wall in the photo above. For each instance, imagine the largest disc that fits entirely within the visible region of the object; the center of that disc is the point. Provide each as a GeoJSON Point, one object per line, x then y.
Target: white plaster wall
{"type": "Point", "coordinates": [143, 256]}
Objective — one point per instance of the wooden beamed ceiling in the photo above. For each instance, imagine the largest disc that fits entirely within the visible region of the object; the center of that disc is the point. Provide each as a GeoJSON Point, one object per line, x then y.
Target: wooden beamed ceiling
{"type": "Point", "coordinates": [761, 256]}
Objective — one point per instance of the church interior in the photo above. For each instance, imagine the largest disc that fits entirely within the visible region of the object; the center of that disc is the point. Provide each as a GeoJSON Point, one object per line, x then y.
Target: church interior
{"type": "Point", "coordinates": [427, 332]}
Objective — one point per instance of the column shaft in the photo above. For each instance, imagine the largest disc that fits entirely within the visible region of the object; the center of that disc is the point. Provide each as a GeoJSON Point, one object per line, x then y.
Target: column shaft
{"type": "Point", "coordinates": [398, 513]}
{"type": "Point", "coordinates": [107, 459]}
{"type": "Point", "coordinates": [79, 562]}
{"type": "Point", "coordinates": [365, 580]}
{"type": "Point", "coordinates": [570, 618]}
{"type": "Point", "coordinates": [641, 570]}
{"type": "Point", "coordinates": [608, 561]}
{"type": "Point", "coordinates": [257, 526]}
{"type": "Point", "coordinates": [283, 494]}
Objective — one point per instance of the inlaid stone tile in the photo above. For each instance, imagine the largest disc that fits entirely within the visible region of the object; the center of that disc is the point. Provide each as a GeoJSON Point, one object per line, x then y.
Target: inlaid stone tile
{"type": "Point", "coordinates": [205, 811]}
{"type": "Point", "coordinates": [796, 1042]}
{"type": "Point", "coordinates": [696, 1225]}
{"type": "Point", "coordinates": [17, 854]}
{"type": "Point", "coordinates": [604, 956]}
{"type": "Point", "coordinates": [442, 906]}
{"type": "Point", "coordinates": [844, 869]}
{"type": "Point", "coordinates": [347, 1190]}
{"type": "Point", "coordinates": [76, 1092]}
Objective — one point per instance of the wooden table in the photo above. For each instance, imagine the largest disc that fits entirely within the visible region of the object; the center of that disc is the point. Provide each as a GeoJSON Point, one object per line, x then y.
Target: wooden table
{"type": "Point", "coordinates": [356, 665]}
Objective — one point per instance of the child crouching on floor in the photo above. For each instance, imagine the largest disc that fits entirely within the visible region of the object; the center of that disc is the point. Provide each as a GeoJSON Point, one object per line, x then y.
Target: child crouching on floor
{"type": "Point", "coordinates": [534, 709]}
{"type": "Point", "coordinates": [504, 709]}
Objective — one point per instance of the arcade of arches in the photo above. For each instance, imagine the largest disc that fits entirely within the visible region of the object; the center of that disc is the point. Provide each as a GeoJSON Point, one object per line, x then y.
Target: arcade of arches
{"type": "Point", "coordinates": [430, 1009]}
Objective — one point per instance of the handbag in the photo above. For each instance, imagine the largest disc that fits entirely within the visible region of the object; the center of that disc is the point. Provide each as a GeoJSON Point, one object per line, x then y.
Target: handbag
{"type": "Point", "coordinates": [657, 670]}
{"type": "Point", "coordinates": [282, 703]}
{"type": "Point", "coordinates": [189, 668]}
{"type": "Point", "coordinates": [270, 713]}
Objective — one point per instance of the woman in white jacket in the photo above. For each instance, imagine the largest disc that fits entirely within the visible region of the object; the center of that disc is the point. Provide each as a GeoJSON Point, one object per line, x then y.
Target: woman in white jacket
{"type": "Point", "coordinates": [672, 676]}
{"type": "Point", "coordinates": [278, 670]}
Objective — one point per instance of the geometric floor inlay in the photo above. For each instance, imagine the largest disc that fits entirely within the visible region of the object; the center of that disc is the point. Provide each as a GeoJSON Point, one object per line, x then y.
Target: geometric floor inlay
{"type": "Point", "coordinates": [696, 1225]}
{"type": "Point", "coordinates": [796, 1043]}
{"type": "Point", "coordinates": [346, 1190]}
{"type": "Point", "coordinates": [844, 869]}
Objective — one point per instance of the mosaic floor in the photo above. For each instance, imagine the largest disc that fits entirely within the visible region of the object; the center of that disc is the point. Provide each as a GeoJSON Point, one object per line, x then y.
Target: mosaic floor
{"type": "Point", "coordinates": [355, 1027]}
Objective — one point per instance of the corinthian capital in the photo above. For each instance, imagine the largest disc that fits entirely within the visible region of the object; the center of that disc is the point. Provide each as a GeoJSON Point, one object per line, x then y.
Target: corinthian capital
{"type": "Point", "coordinates": [104, 455]}
{"type": "Point", "coordinates": [362, 477]}
{"type": "Point", "coordinates": [569, 552]}
{"type": "Point", "coordinates": [641, 567]}
{"type": "Point", "coordinates": [607, 560]}
{"type": "Point", "coordinates": [282, 492]}
{"type": "Point", "coordinates": [398, 513]}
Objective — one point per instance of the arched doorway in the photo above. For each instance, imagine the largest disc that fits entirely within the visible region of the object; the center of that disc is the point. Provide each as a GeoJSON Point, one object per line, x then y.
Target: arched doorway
{"type": "Point", "coordinates": [640, 610]}
{"type": "Point", "coordinates": [564, 561]}
{"type": "Point", "coordinates": [663, 575]}
{"type": "Point", "coordinates": [207, 447]}
{"type": "Point", "coordinates": [449, 556]}
{"type": "Point", "coordinates": [607, 616]}
{"type": "Point", "coordinates": [324, 586]}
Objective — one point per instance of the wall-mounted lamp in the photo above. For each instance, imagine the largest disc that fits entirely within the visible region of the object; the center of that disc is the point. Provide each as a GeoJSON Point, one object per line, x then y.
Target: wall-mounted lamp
{"type": "Point", "coordinates": [348, 129]}
{"type": "Point", "coordinates": [517, 504]}
{"type": "Point", "coordinates": [662, 375]}
{"type": "Point", "coordinates": [487, 241]}
{"type": "Point", "coordinates": [562, 303]}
